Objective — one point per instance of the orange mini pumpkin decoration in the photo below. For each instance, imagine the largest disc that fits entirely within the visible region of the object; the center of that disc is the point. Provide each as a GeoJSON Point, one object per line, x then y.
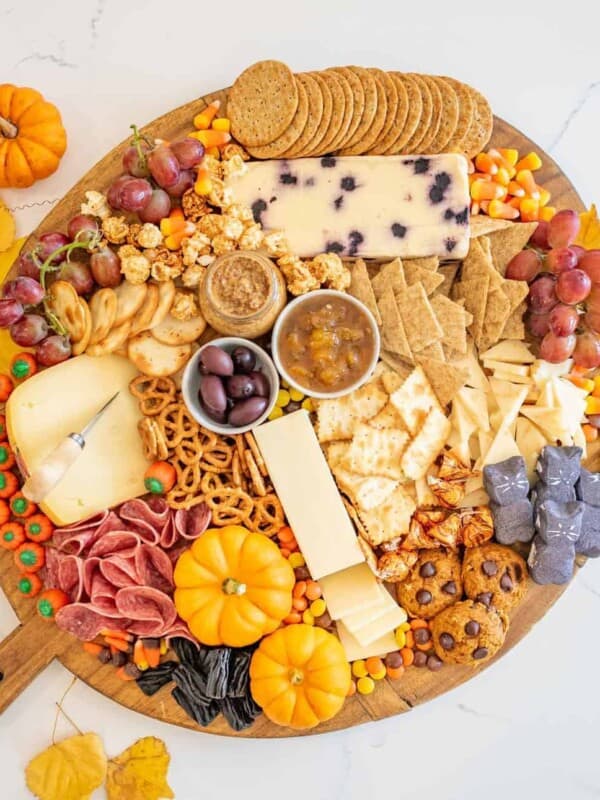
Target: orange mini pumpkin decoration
{"type": "Point", "coordinates": [300, 676]}
{"type": "Point", "coordinates": [32, 137]}
{"type": "Point", "coordinates": [233, 586]}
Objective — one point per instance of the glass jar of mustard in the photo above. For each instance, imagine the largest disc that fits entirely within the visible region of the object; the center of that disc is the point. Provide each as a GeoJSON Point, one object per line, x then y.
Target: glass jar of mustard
{"type": "Point", "coordinates": [242, 294]}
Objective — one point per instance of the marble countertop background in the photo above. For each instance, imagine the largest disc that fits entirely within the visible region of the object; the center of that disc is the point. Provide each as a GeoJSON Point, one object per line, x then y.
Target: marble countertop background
{"type": "Point", "coordinates": [529, 726]}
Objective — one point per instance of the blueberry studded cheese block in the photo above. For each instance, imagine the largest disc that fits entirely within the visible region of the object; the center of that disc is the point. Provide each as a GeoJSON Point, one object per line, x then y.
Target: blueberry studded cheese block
{"type": "Point", "coordinates": [368, 206]}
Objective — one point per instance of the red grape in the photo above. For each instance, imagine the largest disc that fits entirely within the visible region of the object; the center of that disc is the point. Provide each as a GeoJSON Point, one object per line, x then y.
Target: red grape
{"type": "Point", "coordinates": [11, 311]}
{"type": "Point", "coordinates": [592, 320]}
{"type": "Point", "coordinates": [563, 320]}
{"type": "Point", "coordinates": [78, 275]}
{"type": "Point", "coordinates": [185, 182]}
{"type": "Point", "coordinates": [556, 349]}
{"type": "Point", "coordinates": [53, 350]}
{"type": "Point", "coordinates": [578, 250]}
{"type": "Point", "coordinates": [133, 164]}
{"type": "Point", "coordinates": [542, 295]}
{"type": "Point", "coordinates": [164, 167]}
{"type": "Point", "coordinates": [26, 290]}
{"type": "Point", "coordinates": [525, 266]}
{"type": "Point", "coordinates": [561, 259]}
{"type": "Point", "coordinates": [29, 330]}
{"type": "Point", "coordinates": [83, 228]}
{"type": "Point", "coordinates": [590, 263]}
{"type": "Point", "coordinates": [573, 286]}
{"type": "Point", "coordinates": [539, 238]}
{"type": "Point", "coordinates": [48, 243]}
{"type": "Point", "coordinates": [592, 302]}
{"type": "Point", "coordinates": [188, 152]}
{"type": "Point", "coordinates": [538, 324]}
{"type": "Point", "coordinates": [158, 207]}
{"type": "Point", "coordinates": [563, 228]}
{"type": "Point", "coordinates": [587, 350]}
{"type": "Point", "coordinates": [135, 194]}
{"type": "Point", "coordinates": [106, 267]}
{"type": "Point", "coordinates": [114, 193]}
{"type": "Point", "coordinates": [28, 266]}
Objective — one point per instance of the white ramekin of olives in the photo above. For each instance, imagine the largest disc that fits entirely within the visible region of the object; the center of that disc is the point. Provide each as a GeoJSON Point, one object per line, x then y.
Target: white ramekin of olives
{"type": "Point", "coordinates": [230, 385]}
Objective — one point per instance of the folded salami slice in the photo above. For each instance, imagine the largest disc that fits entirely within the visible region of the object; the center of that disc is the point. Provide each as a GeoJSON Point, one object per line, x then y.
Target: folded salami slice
{"type": "Point", "coordinates": [90, 570]}
{"type": "Point", "coordinates": [70, 576]}
{"type": "Point", "coordinates": [154, 568]}
{"type": "Point", "coordinates": [83, 621]}
{"type": "Point", "coordinates": [120, 571]}
{"type": "Point", "coordinates": [152, 612]}
{"type": "Point", "coordinates": [191, 523]}
{"type": "Point", "coordinates": [148, 518]}
{"type": "Point", "coordinates": [122, 542]}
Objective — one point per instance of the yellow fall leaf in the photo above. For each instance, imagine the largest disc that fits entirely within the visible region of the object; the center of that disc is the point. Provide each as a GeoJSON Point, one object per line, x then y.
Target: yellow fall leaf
{"type": "Point", "coordinates": [589, 231]}
{"type": "Point", "coordinates": [8, 257]}
{"type": "Point", "coordinates": [140, 772]}
{"type": "Point", "coordinates": [8, 348]}
{"type": "Point", "coordinates": [7, 228]}
{"type": "Point", "coordinates": [69, 770]}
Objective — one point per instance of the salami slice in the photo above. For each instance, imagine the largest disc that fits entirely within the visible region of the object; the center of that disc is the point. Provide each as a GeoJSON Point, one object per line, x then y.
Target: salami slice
{"type": "Point", "coordinates": [145, 518]}
{"type": "Point", "coordinates": [154, 568]}
{"type": "Point", "coordinates": [168, 535]}
{"type": "Point", "coordinates": [121, 541]}
{"type": "Point", "coordinates": [119, 571]}
{"type": "Point", "coordinates": [70, 577]}
{"type": "Point", "coordinates": [74, 539]}
{"type": "Point", "coordinates": [85, 622]}
{"type": "Point", "coordinates": [90, 570]}
{"type": "Point", "coordinates": [50, 570]}
{"type": "Point", "coordinates": [152, 612]}
{"type": "Point", "coordinates": [191, 523]}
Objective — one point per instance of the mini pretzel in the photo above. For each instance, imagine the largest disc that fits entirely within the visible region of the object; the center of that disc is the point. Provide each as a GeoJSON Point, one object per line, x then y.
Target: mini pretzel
{"type": "Point", "coordinates": [210, 482]}
{"type": "Point", "coordinates": [229, 506]}
{"type": "Point", "coordinates": [218, 458]}
{"type": "Point", "coordinates": [268, 516]}
{"type": "Point", "coordinates": [236, 470]}
{"type": "Point", "coordinates": [178, 498]}
{"type": "Point", "coordinates": [153, 394]}
{"type": "Point", "coordinates": [188, 478]}
{"type": "Point", "coordinates": [260, 463]}
{"type": "Point", "coordinates": [176, 424]}
{"type": "Point", "coordinates": [241, 449]}
{"type": "Point", "coordinates": [258, 483]}
{"type": "Point", "coordinates": [189, 451]}
{"type": "Point", "coordinates": [153, 442]}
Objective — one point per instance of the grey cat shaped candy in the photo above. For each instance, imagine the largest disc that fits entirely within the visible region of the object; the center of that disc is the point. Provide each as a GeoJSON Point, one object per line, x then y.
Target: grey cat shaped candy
{"type": "Point", "coordinates": [506, 482]}
{"type": "Point", "coordinates": [552, 555]}
{"type": "Point", "coordinates": [513, 522]}
{"type": "Point", "coordinates": [562, 493]}
{"type": "Point", "coordinates": [588, 487]}
{"type": "Point", "coordinates": [588, 543]}
{"type": "Point", "coordinates": [559, 465]}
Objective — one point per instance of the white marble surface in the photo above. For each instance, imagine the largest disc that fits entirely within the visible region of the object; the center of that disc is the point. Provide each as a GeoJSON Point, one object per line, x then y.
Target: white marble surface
{"type": "Point", "coordinates": [526, 728]}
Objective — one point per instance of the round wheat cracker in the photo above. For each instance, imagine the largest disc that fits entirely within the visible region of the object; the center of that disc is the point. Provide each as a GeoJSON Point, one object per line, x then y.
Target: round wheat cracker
{"type": "Point", "coordinates": [154, 358]}
{"type": "Point", "coordinates": [292, 133]}
{"type": "Point", "coordinates": [316, 103]}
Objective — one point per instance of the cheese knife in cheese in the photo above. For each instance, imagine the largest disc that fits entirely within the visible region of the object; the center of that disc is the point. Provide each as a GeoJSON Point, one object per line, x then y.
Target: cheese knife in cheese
{"type": "Point", "coordinates": [53, 468]}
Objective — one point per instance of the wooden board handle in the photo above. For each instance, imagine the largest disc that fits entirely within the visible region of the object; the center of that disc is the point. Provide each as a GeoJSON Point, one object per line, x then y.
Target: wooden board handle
{"type": "Point", "coordinates": [25, 653]}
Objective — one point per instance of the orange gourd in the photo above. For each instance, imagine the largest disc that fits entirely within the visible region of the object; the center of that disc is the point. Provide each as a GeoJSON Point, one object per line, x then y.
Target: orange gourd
{"type": "Point", "coordinates": [32, 137]}
{"type": "Point", "coordinates": [233, 586]}
{"type": "Point", "coordinates": [300, 676]}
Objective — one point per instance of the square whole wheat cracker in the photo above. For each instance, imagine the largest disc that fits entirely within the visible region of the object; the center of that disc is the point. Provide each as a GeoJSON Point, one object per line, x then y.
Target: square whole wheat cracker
{"type": "Point", "coordinates": [506, 243]}
{"type": "Point", "coordinates": [430, 263]}
{"type": "Point", "coordinates": [474, 292]}
{"type": "Point", "coordinates": [497, 311]}
{"type": "Point", "coordinates": [448, 271]}
{"type": "Point", "coordinates": [376, 451]}
{"type": "Point", "coordinates": [452, 318]}
{"type": "Point", "coordinates": [389, 275]}
{"type": "Point", "coordinates": [415, 273]}
{"type": "Point", "coordinates": [420, 323]}
{"type": "Point", "coordinates": [390, 519]}
{"type": "Point", "coordinates": [360, 287]}
{"type": "Point", "coordinates": [415, 399]}
{"type": "Point", "coordinates": [516, 291]}
{"type": "Point", "coordinates": [515, 326]}
{"type": "Point", "coordinates": [365, 492]}
{"type": "Point", "coordinates": [433, 350]}
{"type": "Point", "coordinates": [482, 225]}
{"type": "Point", "coordinates": [393, 334]}
{"type": "Point", "coordinates": [399, 366]}
{"type": "Point", "coordinates": [338, 418]}
{"type": "Point", "coordinates": [427, 444]}
{"type": "Point", "coordinates": [445, 379]}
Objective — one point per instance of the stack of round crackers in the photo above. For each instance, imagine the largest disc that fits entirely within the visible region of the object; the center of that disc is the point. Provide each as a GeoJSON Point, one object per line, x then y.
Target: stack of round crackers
{"type": "Point", "coordinates": [354, 111]}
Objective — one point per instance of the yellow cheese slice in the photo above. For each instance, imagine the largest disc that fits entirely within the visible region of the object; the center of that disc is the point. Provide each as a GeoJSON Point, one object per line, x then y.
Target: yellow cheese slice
{"type": "Point", "coordinates": [512, 369]}
{"type": "Point", "coordinates": [308, 494]}
{"type": "Point", "coordinates": [355, 650]}
{"type": "Point", "coordinates": [509, 376]}
{"type": "Point", "coordinates": [541, 371]}
{"type": "Point", "coordinates": [510, 351]}
{"type": "Point", "coordinates": [571, 401]}
{"type": "Point", "coordinates": [476, 376]}
{"type": "Point", "coordinates": [503, 446]}
{"type": "Point", "coordinates": [369, 624]}
{"type": "Point", "coordinates": [474, 403]}
{"type": "Point", "coordinates": [60, 400]}
{"type": "Point", "coordinates": [548, 420]}
{"type": "Point", "coordinates": [510, 397]}
{"type": "Point", "coordinates": [348, 591]}
{"type": "Point", "coordinates": [530, 441]}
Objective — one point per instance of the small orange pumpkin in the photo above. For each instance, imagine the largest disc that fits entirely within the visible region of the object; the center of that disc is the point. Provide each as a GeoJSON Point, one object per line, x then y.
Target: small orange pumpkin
{"type": "Point", "coordinates": [300, 676]}
{"type": "Point", "coordinates": [233, 586]}
{"type": "Point", "coordinates": [32, 137]}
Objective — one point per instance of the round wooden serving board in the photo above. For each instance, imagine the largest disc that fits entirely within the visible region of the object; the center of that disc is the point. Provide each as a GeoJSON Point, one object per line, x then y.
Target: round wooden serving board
{"type": "Point", "coordinates": [35, 643]}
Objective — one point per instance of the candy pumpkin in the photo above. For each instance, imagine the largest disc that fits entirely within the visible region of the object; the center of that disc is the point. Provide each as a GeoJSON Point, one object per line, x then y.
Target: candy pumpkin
{"type": "Point", "coordinates": [300, 676]}
{"type": "Point", "coordinates": [32, 137]}
{"type": "Point", "coordinates": [233, 586]}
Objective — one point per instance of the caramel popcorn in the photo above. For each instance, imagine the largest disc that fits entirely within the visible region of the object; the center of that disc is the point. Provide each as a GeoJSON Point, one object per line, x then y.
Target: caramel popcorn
{"type": "Point", "coordinates": [194, 205]}
{"type": "Point", "coordinates": [193, 247]}
{"type": "Point", "coordinates": [149, 235]}
{"type": "Point", "coordinates": [184, 306]}
{"type": "Point", "coordinates": [115, 229]}
{"type": "Point", "coordinates": [220, 195]}
{"type": "Point", "coordinates": [221, 244]}
{"type": "Point", "coordinates": [252, 238]}
{"type": "Point", "coordinates": [297, 275]}
{"type": "Point", "coordinates": [210, 225]}
{"type": "Point", "coordinates": [134, 264]}
{"type": "Point", "coordinates": [241, 212]}
{"type": "Point", "coordinates": [167, 265]}
{"type": "Point", "coordinates": [234, 167]}
{"type": "Point", "coordinates": [231, 227]}
{"type": "Point", "coordinates": [276, 244]}
{"type": "Point", "coordinates": [96, 205]}
{"type": "Point", "coordinates": [329, 270]}
{"type": "Point", "coordinates": [233, 149]}
{"type": "Point", "coordinates": [134, 229]}
{"type": "Point", "coordinates": [193, 276]}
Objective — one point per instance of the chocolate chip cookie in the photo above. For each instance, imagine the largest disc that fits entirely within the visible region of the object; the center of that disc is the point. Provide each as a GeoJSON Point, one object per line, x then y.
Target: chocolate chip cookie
{"type": "Point", "coordinates": [468, 633]}
{"type": "Point", "coordinates": [433, 583]}
{"type": "Point", "coordinates": [494, 575]}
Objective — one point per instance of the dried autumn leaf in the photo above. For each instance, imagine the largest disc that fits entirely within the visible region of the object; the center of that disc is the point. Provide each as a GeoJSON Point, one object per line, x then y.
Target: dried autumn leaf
{"type": "Point", "coordinates": [69, 770]}
{"type": "Point", "coordinates": [140, 772]}
{"type": "Point", "coordinates": [589, 231]}
{"type": "Point", "coordinates": [7, 228]}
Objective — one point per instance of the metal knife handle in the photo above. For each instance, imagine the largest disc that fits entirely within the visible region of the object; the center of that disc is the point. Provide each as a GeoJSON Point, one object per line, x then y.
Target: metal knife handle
{"type": "Point", "coordinates": [53, 468]}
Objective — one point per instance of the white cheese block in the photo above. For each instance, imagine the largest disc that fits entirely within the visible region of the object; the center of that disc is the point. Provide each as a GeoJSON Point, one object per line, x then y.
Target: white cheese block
{"type": "Point", "coordinates": [367, 206]}
{"type": "Point", "coordinates": [308, 494]}
{"type": "Point", "coordinates": [530, 441]}
{"type": "Point", "coordinates": [503, 447]}
{"type": "Point", "coordinates": [511, 351]}
{"type": "Point", "coordinates": [366, 628]}
{"type": "Point", "coordinates": [355, 650]}
{"type": "Point", "coordinates": [510, 397]}
{"type": "Point", "coordinates": [505, 375]}
{"type": "Point", "coordinates": [511, 369]}
{"type": "Point", "coordinates": [348, 591]}
{"type": "Point", "coordinates": [60, 400]}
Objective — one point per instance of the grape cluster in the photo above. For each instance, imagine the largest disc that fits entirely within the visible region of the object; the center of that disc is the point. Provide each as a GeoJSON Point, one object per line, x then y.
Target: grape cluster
{"type": "Point", "coordinates": [168, 166]}
{"type": "Point", "coordinates": [564, 291]}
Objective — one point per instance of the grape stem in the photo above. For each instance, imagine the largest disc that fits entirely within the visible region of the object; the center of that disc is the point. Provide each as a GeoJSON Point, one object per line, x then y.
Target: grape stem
{"type": "Point", "coordinates": [137, 143]}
